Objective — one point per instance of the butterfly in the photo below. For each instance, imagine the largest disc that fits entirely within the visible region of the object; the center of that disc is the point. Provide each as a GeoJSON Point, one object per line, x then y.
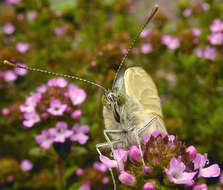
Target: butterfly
{"type": "Point", "coordinates": [131, 108]}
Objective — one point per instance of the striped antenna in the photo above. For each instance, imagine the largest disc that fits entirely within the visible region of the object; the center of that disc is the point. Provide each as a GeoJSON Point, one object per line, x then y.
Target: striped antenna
{"type": "Point", "coordinates": [152, 14]}
{"type": "Point", "coordinates": [53, 73]}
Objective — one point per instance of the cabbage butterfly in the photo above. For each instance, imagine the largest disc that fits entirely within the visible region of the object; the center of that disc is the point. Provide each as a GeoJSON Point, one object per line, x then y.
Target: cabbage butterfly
{"type": "Point", "coordinates": [131, 108]}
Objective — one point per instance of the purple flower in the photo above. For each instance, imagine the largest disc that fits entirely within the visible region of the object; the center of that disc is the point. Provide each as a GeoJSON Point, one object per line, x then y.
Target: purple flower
{"type": "Point", "coordinates": [149, 186]}
{"type": "Point", "coordinates": [13, 1]}
{"type": "Point", "coordinates": [196, 31]}
{"type": "Point", "coordinates": [205, 6]}
{"type": "Point", "coordinates": [176, 173]}
{"type": "Point", "coordinates": [56, 107]}
{"type": "Point", "coordinates": [8, 28]}
{"type": "Point", "coordinates": [187, 12]}
{"type": "Point", "coordinates": [145, 33]}
{"type": "Point", "coordinates": [85, 187]}
{"type": "Point", "coordinates": [200, 187]}
{"type": "Point", "coordinates": [20, 71]}
{"type": "Point", "coordinates": [120, 155]}
{"type": "Point", "coordinates": [31, 15]}
{"type": "Point", "coordinates": [200, 162]}
{"type": "Point", "coordinates": [31, 118]}
{"type": "Point", "coordinates": [108, 162]}
{"type": "Point", "coordinates": [127, 178]}
{"type": "Point", "coordinates": [26, 165]}
{"type": "Point", "coordinates": [134, 154]}
{"type": "Point", "coordinates": [221, 178]}
{"type": "Point", "coordinates": [100, 166]}
{"type": "Point", "coordinates": [216, 26]}
{"type": "Point", "coordinates": [76, 94]}
{"type": "Point", "coordinates": [57, 82]}
{"type": "Point", "coordinates": [30, 103]}
{"type": "Point", "coordinates": [192, 151]}
{"type": "Point", "coordinates": [171, 42]}
{"type": "Point", "coordinates": [79, 172]}
{"type": "Point", "coordinates": [9, 76]}
{"type": "Point", "coordinates": [216, 38]}
{"type": "Point", "coordinates": [45, 140]}
{"type": "Point", "coordinates": [60, 132]}
{"type": "Point", "coordinates": [199, 52]}
{"type": "Point", "coordinates": [146, 48]}
{"type": "Point", "coordinates": [42, 88]}
{"type": "Point", "coordinates": [79, 133]}
{"type": "Point", "coordinates": [210, 53]}
{"type": "Point", "coordinates": [76, 114]}
{"type": "Point", "coordinates": [22, 47]}
{"type": "Point", "coordinates": [60, 30]}
{"type": "Point", "coordinates": [105, 180]}
{"type": "Point", "coordinates": [5, 111]}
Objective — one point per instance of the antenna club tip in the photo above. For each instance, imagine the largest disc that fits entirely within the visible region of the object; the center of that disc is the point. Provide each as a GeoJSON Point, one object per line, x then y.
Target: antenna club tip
{"type": "Point", "coordinates": [156, 6]}
{"type": "Point", "coordinates": [6, 62]}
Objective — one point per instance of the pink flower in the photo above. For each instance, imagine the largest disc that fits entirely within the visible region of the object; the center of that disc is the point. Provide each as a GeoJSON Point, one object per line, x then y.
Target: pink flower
{"type": "Point", "coordinates": [199, 52]}
{"type": "Point", "coordinates": [205, 6]}
{"type": "Point", "coordinates": [45, 140]}
{"type": "Point", "coordinates": [76, 114]}
{"type": "Point", "coordinates": [196, 31]}
{"type": "Point", "coordinates": [42, 88]}
{"type": "Point", "coordinates": [31, 15]}
{"type": "Point", "coordinates": [93, 63]}
{"type": "Point", "coordinates": [216, 38]}
{"type": "Point", "coordinates": [9, 76]}
{"type": "Point", "coordinates": [56, 107]}
{"type": "Point", "coordinates": [149, 186]}
{"type": "Point", "coordinates": [79, 133]}
{"type": "Point", "coordinates": [187, 12]}
{"type": "Point", "coordinates": [216, 26]}
{"type": "Point", "coordinates": [85, 187]}
{"type": "Point", "coordinates": [221, 178]}
{"type": "Point", "coordinates": [145, 33]}
{"type": "Point", "coordinates": [8, 28]}
{"type": "Point", "coordinates": [5, 111]}
{"type": "Point", "coordinates": [30, 103]}
{"type": "Point", "coordinates": [100, 166]}
{"type": "Point", "coordinates": [76, 94]}
{"type": "Point", "coordinates": [105, 180]}
{"type": "Point", "coordinates": [60, 30]}
{"type": "Point", "coordinates": [134, 154]}
{"type": "Point", "coordinates": [108, 162]}
{"type": "Point", "coordinates": [171, 42]}
{"type": "Point", "coordinates": [57, 82]}
{"type": "Point", "coordinates": [146, 48]}
{"type": "Point", "coordinates": [200, 187]}
{"type": "Point", "coordinates": [200, 162]}
{"type": "Point", "coordinates": [60, 132]}
{"type": "Point", "coordinates": [22, 47]}
{"type": "Point", "coordinates": [20, 71]}
{"type": "Point", "coordinates": [26, 165]}
{"type": "Point", "coordinates": [13, 1]}
{"type": "Point", "coordinates": [31, 118]}
{"type": "Point", "coordinates": [176, 173]}
{"type": "Point", "coordinates": [127, 178]}
{"type": "Point", "coordinates": [209, 53]}
{"type": "Point", "coordinates": [79, 172]}
{"type": "Point", "coordinates": [192, 151]}
{"type": "Point", "coordinates": [120, 155]}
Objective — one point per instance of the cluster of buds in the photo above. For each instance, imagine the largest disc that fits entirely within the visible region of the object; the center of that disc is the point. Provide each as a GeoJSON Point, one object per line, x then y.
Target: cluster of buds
{"type": "Point", "coordinates": [169, 163]}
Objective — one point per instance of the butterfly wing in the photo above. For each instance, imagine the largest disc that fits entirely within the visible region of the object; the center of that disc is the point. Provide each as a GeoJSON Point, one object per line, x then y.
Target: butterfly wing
{"type": "Point", "coordinates": [140, 86]}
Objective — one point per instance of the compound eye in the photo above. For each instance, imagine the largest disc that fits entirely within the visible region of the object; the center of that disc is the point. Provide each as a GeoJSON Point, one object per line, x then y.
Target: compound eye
{"type": "Point", "coordinates": [120, 99]}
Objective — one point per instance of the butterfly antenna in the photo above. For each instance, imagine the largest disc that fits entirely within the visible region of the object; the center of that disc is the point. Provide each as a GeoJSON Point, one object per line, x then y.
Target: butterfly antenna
{"type": "Point", "coordinates": [53, 73]}
{"type": "Point", "coordinates": [152, 14]}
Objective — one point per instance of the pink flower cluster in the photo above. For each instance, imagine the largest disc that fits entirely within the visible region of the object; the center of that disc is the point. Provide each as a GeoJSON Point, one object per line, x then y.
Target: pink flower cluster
{"type": "Point", "coordinates": [55, 98]}
{"type": "Point", "coordinates": [209, 53]}
{"type": "Point", "coordinates": [170, 41]}
{"type": "Point", "coordinates": [60, 133]}
{"type": "Point", "coordinates": [180, 164]}
{"type": "Point", "coordinates": [216, 36]}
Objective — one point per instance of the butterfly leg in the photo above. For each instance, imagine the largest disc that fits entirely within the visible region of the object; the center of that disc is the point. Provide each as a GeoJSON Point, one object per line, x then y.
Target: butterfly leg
{"type": "Point", "coordinates": [99, 152]}
{"type": "Point", "coordinates": [115, 131]}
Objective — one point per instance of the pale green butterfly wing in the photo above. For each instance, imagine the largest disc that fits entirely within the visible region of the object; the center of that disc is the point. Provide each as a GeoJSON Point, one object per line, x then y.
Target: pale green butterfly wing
{"type": "Point", "coordinates": [140, 86]}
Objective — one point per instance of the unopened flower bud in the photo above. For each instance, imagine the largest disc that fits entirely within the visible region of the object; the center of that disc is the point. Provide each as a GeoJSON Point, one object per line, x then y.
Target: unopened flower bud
{"type": "Point", "coordinates": [192, 152]}
{"type": "Point", "coordinates": [149, 186]}
{"type": "Point", "coordinates": [134, 154]}
{"type": "Point", "coordinates": [127, 178]}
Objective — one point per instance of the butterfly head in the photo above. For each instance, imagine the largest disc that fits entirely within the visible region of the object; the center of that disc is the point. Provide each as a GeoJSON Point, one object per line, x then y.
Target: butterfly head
{"type": "Point", "coordinates": [113, 101]}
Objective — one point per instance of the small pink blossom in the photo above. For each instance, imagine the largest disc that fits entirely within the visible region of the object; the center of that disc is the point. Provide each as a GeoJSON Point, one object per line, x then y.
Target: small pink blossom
{"type": "Point", "coordinates": [57, 82]}
{"type": "Point", "coordinates": [205, 6]}
{"type": "Point", "coordinates": [192, 151]}
{"type": "Point", "coordinates": [196, 31]}
{"type": "Point", "coordinates": [9, 76]}
{"type": "Point", "coordinates": [31, 118]}
{"type": "Point", "coordinates": [149, 186]}
{"type": "Point", "coordinates": [56, 107]}
{"type": "Point", "coordinates": [217, 26]}
{"type": "Point", "coordinates": [145, 33]}
{"type": "Point", "coordinates": [79, 133]}
{"type": "Point", "coordinates": [200, 187]}
{"type": "Point", "coordinates": [146, 48]}
{"type": "Point", "coordinates": [20, 71]}
{"type": "Point", "coordinates": [108, 162]}
{"type": "Point", "coordinates": [93, 63]}
{"type": "Point", "coordinates": [13, 1]}
{"type": "Point", "coordinates": [8, 28]}
{"type": "Point", "coordinates": [22, 47]}
{"type": "Point", "coordinates": [127, 179]}
{"type": "Point", "coordinates": [61, 132]}
{"type": "Point", "coordinates": [105, 180]}
{"type": "Point", "coordinates": [20, 17]}
{"type": "Point", "coordinates": [30, 103]}
{"type": "Point", "coordinates": [26, 165]}
{"type": "Point", "coordinates": [5, 111]}
{"type": "Point", "coordinates": [76, 94]}
{"type": "Point", "coordinates": [209, 53]}
{"type": "Point", "coordinates": [45, 140]}
{"type": "Point", "coordinates": [134, 154]}
{"type": "Point", "coordinates": [177, 174]}
{"type": "Point", "coordinates": [79, 172]}
{"type": "Point", "coordinates": [32, 15]}
{"type": "Point", "coordinates": [60, 30]}
{"type": "Point", "coordinates": [100, 166]}
{"type": "Point", "coordinates": [42, 88]}
{"type": "Point", "coordinates": [86, 186]}
{"type": "Point", "coordinates": [171, 42]}
{"type": "Point", "coordinates": [221, 178]}
{"type": "Point", "coordinates": [216, 38]}
{"type": "Point", "coordinates": [76, 114]}
{"type": "Point", "coordinates": [187, 12]}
